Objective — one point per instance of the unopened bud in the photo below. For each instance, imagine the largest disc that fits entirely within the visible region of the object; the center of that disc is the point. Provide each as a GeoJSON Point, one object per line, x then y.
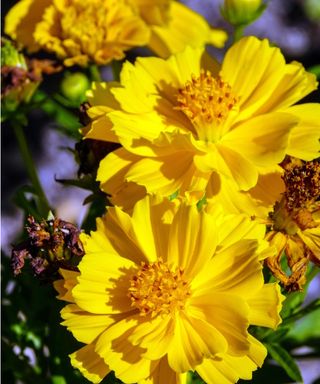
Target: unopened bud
{"type": "Point", "coordinates": [74, 86]}
{"type": "Point", "coordinates": [242, 12]}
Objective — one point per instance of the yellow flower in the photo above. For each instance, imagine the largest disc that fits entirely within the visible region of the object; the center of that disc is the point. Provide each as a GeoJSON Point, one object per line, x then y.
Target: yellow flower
{"type": "Point", "coordinates": [102, 30]}
{"type": "Point", "coordinates": [183, 120]}
{"type": "Point", "coordinates": [77, 31]}
{"type": "Point", "coordinates": [169, 289]}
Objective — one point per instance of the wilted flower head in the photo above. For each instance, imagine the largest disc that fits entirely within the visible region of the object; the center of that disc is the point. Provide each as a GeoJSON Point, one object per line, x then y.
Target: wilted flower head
{"type": "Point", "coordinates": [234, 121]}
{"type": "Point", "coordinates": [296, 223]}
{"type": "Point", "coordinates": [99, 31]}
{"type": "Point", "coordinates": [18, 82]}
{"type": "Point", "coordinates": [166, 290]}
{"type": "Point", "coordinates": [20, 77]}
{"type": "Point", "coordinates": [50, 245]}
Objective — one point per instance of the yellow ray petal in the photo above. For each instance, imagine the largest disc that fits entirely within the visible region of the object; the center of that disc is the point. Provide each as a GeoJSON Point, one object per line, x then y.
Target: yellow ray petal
{"type": "Point", "coordinates": [189, 252]}
{"type": "Point", "coordinates": [89, 364]}
{"type": "Point", "coordinates": [158, 175]}
{"type": "Point", "coordinates": [228, 369]}
{"type": "Point", "coordinates": [265, 138]}
{"type": "Point", "coordinates": [154, 335]}
{"type": "Point", "coordinates": [304, 140]}
{"type": "Point", "coordinates": [187, 27]}
{"type": "Point", "coordinates": [21, 20]}
{"type": "Point", "coordinates": [193, 339]}
{"type": "Point", "coordinates": [228, 314]}
{"type": "Point", "coordinates": [84, 326]}
{"type": "Point", "coordinates": [265, 306]}
{"type": "Point", "coordinates": [122, 356]}
{"type": "Point", "coordinates": [235, 269]}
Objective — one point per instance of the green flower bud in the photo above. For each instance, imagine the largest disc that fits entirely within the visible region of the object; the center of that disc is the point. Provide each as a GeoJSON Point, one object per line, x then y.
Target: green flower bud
{"type": "Point", "coordinates": [10, 56]}
{"type": "Point", "coordinates": [74, 86]}
{"type": "Point", "coordinates": [242, 12]}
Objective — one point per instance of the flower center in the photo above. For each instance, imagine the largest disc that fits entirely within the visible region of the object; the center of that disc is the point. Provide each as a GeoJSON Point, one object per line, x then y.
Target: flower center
{"type": "Point", "coordinates": [156, 289]}
{"type": "Point", "coordinates": [206, 99]}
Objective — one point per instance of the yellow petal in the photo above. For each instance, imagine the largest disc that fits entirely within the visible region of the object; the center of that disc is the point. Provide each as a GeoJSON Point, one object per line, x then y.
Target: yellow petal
{"type": "Point", "coordinates": [265, 138]}
{"type": "Point", "coordinates": [89, 364]}
{"type": "Point", "coordinates": [112, 170]}
{"type": "Point", "coordinates": [189, 251]}
{"type": "Point", "coordinates": [235, 270]}
{"type": "Point", "coordinates": [192, 340]}
{"type": "Point", "coordinates": [184, 28]}
{"type": "Point", "coordinates": [261, 79]}
{"type": "Point", "coordinates": [228, 369]}
{"type": "Point", "coordinates": [121, 356]}
{"type": "Point", "coordinates": [304, 140]}
{"type": "Point", "coordinates": [151, 231]}
{"type": "Point", "coordinates": [119, 229]}
{"type": "Point", "coordinates": [64, 287]}
{"type": "Point", "coordinates": [21, 20]}
{"type": "Point", "coordinates": [228, 314]}
{"type": "Point", "coordinates": [158, 175]}
{"type": "Point", "coordinates": [253, 69]}
{"type": "Point", "coordinates": [84, 326]}
{"type": "Point", "coordinates": [104, 277]}
{"type": "Point", "coordinates": [154, 335]}
{"type": "Point", "coordinates": [311, 237]}
{"type": "Point", "coordinates": [265, 306]}
{"type": "Point", "coordinates": [163, 373]}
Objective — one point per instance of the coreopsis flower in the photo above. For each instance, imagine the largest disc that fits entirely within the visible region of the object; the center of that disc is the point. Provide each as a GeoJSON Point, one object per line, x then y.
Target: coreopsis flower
{"type": "Point", "coordinates": [166, 290]}
{"type": "Point", "coordinates": [50, 245]}
{"type": "Point", "coordinates": [184, 120]}
{"type": "Point", "coordinates": [100, 31]}
{"type": "Point", "coordinates": [295, 229]}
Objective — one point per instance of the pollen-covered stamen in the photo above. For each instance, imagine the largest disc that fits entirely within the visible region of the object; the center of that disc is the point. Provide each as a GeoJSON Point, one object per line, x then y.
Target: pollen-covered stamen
{"type": "Point", "coordinates": [302, 180]}
{"type": "Point", "coordinates": [206, 98]}
{"type": "Point", "coordinates": [155, 289]}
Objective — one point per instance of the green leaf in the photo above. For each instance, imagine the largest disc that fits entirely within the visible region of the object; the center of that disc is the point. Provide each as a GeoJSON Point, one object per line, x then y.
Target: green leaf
{"type": "Point", "coordinates": [315, 70]}
{"type": "Point", "coordinates": [66, 121]}
{"type": "Point", "coordinates": [285, 360]}
{"type": "Point", "coordinates": [279, 334]}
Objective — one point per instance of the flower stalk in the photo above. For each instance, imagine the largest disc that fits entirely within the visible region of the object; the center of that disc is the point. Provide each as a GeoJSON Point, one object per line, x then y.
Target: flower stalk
{"type": "Point", "coordinates": [43, 204]}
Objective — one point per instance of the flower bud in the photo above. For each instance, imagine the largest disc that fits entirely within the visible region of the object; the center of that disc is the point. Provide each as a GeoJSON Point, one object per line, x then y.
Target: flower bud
{"type": "Point", "coordinates": [242, 12]}
{"type": "Point", "coordinates": [74, 86]}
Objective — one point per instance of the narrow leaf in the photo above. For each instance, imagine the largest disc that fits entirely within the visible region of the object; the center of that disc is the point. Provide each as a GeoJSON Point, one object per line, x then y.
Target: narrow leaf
{"type": "Point", "coordinates": [285, 360]}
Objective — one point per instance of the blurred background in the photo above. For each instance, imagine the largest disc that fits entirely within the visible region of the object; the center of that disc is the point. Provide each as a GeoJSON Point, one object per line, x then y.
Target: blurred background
{"type": "Point", "coordinates": [293, 25]}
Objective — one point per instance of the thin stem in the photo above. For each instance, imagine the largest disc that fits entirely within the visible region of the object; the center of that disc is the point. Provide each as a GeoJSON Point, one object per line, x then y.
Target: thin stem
{"type": "Point", "coordinates": [95, 73]}
{"type": "Point", "coordinates": [44, 207]}
{"type": "Point", "coordinates": [238, 32]}
{"type": "Point", "coordinates": [116, 66]}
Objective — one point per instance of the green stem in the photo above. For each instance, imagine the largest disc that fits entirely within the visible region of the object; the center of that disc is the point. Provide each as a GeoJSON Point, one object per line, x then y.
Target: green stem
{"type": "Point", "coordinates": [116, 66]}
{"type": "Point", "coordinates": [238, 32]}
{"type": "Point", "coordinates": [44, 207]}
{"type": "Point", "coordinates": [95, 73]}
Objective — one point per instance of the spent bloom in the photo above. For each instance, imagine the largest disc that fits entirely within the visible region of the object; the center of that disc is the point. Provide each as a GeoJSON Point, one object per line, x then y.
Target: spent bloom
{"type": "Point", "coordinates": [100, 31]}
{"type": "Point", "coordinates": [185, 120]}
{"type": "Point", "coordinates": [166, 290]}
{"type": "Point", "coordinates": [50, 245]}
{"type": "Point", "coordinates": [295, 227]}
